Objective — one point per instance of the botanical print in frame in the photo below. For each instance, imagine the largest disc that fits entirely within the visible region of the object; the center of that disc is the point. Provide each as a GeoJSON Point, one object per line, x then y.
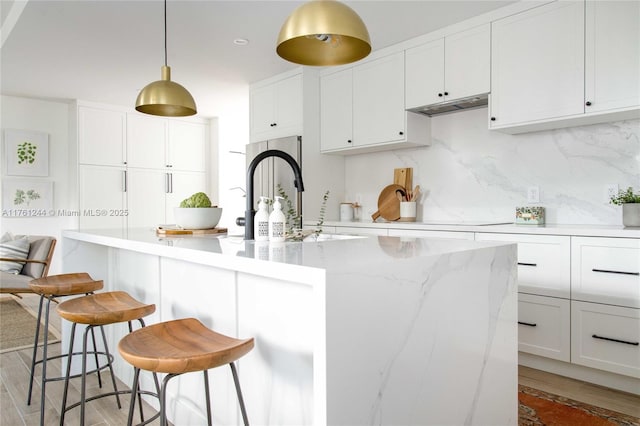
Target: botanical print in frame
{"type": "Point", "coordinates": [26, 153]}
{"type": "Point", "coordinates": [27, 198]}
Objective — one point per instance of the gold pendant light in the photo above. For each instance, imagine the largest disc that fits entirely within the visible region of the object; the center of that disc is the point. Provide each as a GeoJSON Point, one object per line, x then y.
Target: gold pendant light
{"type": "Point", "coordinates": [165, 97]}
{"type": "Point", "coordinates": [323, 32]}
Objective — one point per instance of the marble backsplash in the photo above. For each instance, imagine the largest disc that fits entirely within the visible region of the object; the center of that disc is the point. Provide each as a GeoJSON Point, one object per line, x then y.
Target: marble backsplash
{"type": "Point", "coordinates": [472, 174]}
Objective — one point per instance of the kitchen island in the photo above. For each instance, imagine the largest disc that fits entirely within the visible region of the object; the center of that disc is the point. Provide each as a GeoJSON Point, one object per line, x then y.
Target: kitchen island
{"type": "Point", "coordinates": [358, 331]}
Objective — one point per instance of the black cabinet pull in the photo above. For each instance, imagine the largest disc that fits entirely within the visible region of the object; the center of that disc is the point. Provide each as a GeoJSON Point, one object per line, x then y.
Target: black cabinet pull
{"type": "Point", "coordinates": [446, 93]}
{"type": "Point", "coordinates": [595, 336]}
{"type": "Point", "coordinates": [440, 95]}
{"type": "Point", "coordinates": [349, 141]}
{"type": "Point", "coordinates": [273, 124]}
{"type": "Point", "coordinates": [493, 119]}
{"type": "Point", "coordinates": [588, 103]}
{"type": "Point", "coordinates": [529, 324]}
{"type": "Point", "coordinates": [607, 271]}
{"type": "Point", "coordinates": [527, 264]}
{"type": "Point", "coordinates": [401, 133]}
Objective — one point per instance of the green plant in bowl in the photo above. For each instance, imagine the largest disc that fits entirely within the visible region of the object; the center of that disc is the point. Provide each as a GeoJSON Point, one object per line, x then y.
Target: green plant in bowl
{"type": "Point", "coordinates": [197, 212]}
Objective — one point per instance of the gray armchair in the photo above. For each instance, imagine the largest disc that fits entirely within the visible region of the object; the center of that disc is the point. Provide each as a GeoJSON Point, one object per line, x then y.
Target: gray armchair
{"type": "Point", "coordinates": [36, 266]}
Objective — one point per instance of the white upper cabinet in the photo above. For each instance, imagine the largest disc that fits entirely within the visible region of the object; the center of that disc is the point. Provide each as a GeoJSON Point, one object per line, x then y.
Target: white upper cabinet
{"type": "Point", "coordinates": [276, 109]}
{"type": "Point", "coordinates": [146, 141]}
{"type": "Point", "coordinates": [161, 143]}
{"type": "Point", "coordinates": [450, 68]}
{"type": "Point", "coordinates": [362, 109]}
{"type": "Point", "coordinates": [101, 136]}
{"type": "Point", "coordinates": [336, 110]}
{"type": "Point", "coordinates": [612, 55]}
{"type": "Point", "coordinates": [537, 69]}
{"type": "Point", "coordinates": [187, 146]}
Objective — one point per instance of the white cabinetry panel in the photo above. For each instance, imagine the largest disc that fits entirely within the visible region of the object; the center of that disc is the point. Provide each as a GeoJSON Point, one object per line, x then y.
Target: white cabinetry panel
{"type": "Point", "coordinates": [606, 337]}
{"type": "Point", "coordinates": [606, 270]}
{"type": "Point", "coordinates": [544, 326]}
{"type": "Point", "coordinates": [187, 146]}
{"type": "Point", "coordinates": [544, 262]}
{"type": "Point", "coordinates": [146, 141]}
{"type": "Point", "coordinates": [102, 196]}
{"type": "Point", "coordinates": [276, 109]}
{"type": "Point", "coordinates": [431, 234]}
{"type": "Point", "coordinates": [101, 137]}
{"type": "Point", "coordinates": [612, 55]}
{"type": "Point", "coordinates": [336, 110]}
{"type": "Point", "coordinates": [537, 69]}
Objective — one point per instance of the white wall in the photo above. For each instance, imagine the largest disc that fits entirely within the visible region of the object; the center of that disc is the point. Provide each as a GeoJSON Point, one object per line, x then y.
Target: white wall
{"type": "Point", "coordinates": [51, 118]}
{"type": "Point", "coordinates": [470, 173]}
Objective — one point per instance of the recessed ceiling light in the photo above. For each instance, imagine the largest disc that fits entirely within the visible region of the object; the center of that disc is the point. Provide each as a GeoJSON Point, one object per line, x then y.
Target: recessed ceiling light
{"type": "Point", "coordinates": [241, 41]}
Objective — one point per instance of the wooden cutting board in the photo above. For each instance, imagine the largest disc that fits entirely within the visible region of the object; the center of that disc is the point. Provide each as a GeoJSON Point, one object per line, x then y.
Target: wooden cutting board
{"type": "Point", "coordinates": [169, 231]}
{"type": "Point", "coordinates": [403, 177]}
{"type": "Point", "coordinates": [388, 203]}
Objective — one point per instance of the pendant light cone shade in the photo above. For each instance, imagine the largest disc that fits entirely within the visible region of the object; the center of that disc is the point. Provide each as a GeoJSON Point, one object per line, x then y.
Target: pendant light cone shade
{"type": "Point", "coordinates": [323, 32]}
{"type": "Point", "coordinates": [165, 97]}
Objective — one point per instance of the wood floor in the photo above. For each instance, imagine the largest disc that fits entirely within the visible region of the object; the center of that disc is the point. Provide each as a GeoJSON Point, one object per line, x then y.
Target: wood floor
{"type": "Point", "coordinates": [14, 381]}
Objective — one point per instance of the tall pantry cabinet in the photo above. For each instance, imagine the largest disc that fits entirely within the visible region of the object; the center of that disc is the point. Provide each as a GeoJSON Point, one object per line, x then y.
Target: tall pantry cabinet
{"type": "Point", "coordinates": [133, 169]}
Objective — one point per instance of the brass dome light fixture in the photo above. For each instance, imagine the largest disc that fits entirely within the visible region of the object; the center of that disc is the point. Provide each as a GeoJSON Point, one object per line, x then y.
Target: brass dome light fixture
{"type": "Point", "coordinates": [323, 32]}
{"type": "Point", "coordinates": [165, 97]}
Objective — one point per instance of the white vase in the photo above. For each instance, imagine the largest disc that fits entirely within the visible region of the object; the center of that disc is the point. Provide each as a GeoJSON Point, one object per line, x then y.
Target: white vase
{"type": "Point", "coordinates": [631, 214]}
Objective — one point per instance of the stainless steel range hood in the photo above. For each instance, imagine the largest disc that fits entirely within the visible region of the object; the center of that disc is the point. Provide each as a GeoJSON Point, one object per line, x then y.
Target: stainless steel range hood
{"type": "Point", "coordinates": [453, 106]}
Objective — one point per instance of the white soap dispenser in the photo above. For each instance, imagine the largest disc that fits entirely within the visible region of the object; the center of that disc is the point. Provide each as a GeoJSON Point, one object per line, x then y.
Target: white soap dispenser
{"type": "Point", "coordinates": [261, 221]}
{"type": "Point", "coordinates": [277, 222]}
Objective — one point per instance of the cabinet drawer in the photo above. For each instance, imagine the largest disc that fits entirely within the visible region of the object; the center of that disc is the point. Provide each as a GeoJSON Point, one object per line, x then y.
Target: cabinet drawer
{"type": "Point", "coordinates": [544, 327]}
{"type": "Point", "coordinates": [544, 262]}
{"type": "Point", "coordinates": [606, 270]}
{"type": "Point", "coordinates": [452, 235]}
{"type": "Point", "coordinates": [606, 337]}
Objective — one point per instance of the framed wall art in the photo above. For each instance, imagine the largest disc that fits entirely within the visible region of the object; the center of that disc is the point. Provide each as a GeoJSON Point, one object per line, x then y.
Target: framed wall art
{"type": "Point", "coordinates": [27, 198]}
{"type": "Point", "coordinates": [26, 153]}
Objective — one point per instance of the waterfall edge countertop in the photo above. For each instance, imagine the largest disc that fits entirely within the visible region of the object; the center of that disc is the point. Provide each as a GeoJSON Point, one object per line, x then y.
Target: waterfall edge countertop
{"type": "Point", "coordinates": [359, 331]}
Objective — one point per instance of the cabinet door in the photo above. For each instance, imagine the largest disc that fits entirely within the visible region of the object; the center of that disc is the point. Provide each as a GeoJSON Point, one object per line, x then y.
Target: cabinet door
{"type": "Point", "coordinates": [336, 115]}
{"type": "Point", "coordinates": [262, 109]}
{"type": "Point", "coordinates": [146, 141]}
{"type": "Point", "coordinates": [612, 55]}
{"type": "Point", "coordinates": [288, 105]}
{"type": "Point", "coordinates": [146, 197]}
{"type": "Point", "coordinates": [378, 101]}
{"type": "Point", "coordinates": [606, 270]}
{"type": "Point", "coordinates": [101, 137]}
{"type": "Point", "coordinates": [102, 197]}
{"type": "Point", "coordinates": [544, 326]}
{"type": "Point", "coordinates": [182, 185]}
{"type": "Point", "coordinates": [187, 146]}
{"type": "Point", "coordinates": [467, 63]}
{"type": "Point", "coordinates": [537, 68]}
{"type": "Point", "coordinates": [424, 74]}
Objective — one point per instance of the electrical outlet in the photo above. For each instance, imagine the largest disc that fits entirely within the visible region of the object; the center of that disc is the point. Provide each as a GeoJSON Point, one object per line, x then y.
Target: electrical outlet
{"type": "Point", "coordinates": [611, 191]}
{"type": "Point", "coordinates": [533, 194]}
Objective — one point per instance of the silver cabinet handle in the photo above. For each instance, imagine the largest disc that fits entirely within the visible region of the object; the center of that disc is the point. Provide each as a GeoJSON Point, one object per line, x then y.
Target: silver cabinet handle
{"type": "Point", "coordinates": [166, 183]}
{"type": "Point", "coordinates": [124, 181]}
{"type": "Point", "coordinates": [171, 183]}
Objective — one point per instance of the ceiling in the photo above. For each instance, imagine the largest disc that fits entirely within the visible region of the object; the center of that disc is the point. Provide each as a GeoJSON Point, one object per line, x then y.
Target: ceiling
{"type": "Point", "coordinates": [106, 51]}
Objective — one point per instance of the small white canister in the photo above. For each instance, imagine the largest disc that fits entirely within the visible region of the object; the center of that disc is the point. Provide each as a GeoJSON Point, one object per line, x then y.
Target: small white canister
{"type": "Point", "coordinates": [346, 212]}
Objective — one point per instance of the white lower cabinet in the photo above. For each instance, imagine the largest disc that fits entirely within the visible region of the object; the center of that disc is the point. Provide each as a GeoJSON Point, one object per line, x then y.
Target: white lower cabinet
{"type": "Point", "coordinates": [544, 326]}
{"type": "Point", "coordinates": [352, 230]}
{"type": "Point", "coordinates": [606, 337]}
{"type": "Point", "coordinates": [544, 262]}
{"type": "Point", "coordinates": [451, 235]}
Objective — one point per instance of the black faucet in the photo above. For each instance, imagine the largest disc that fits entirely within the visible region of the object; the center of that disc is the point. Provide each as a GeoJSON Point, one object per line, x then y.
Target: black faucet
{"type": "Point", "coordinates": [247, 220]}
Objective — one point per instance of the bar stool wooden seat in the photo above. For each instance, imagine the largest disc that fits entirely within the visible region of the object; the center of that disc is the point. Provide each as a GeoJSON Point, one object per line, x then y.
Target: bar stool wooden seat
{"type": "Point", "coordinates": [97, 310]}
{"type": "Point", "coordinates": [178, 347]}
{"type": "Point", "coordinates": [49, 288]}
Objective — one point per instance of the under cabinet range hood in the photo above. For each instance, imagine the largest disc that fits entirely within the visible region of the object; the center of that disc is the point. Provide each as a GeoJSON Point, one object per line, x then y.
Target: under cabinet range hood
{"type": "Point", "coordinates": [456, 105]}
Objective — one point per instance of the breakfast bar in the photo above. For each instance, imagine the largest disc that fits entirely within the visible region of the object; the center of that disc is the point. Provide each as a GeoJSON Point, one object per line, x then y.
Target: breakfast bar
{"type": "Point", "coordinates": [352, 331]}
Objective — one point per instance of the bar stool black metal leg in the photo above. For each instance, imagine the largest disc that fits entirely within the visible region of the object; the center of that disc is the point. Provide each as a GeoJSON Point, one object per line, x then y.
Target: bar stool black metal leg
{"type": "Point", "coordinates": [35, 349]}
{"type": "Point", "coordinates": [207, 396]}
{"type": "Point", "coordinates": [245, 419]}
{"type": "Point", "coordinates": [110, 364]}
{"type": "Point", "coordinates": [66, 380]}
{"type": "Point", "coordinates": [95, 355]}
{"type": "Point", "coordinates": [43, 385]}
{"type": "Point", "coordinates": [163, 399]}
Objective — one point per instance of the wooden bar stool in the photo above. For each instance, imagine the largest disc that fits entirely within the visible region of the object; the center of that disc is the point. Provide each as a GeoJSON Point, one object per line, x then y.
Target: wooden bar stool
{"type": "Point", "coordinates": [49, 288]}
{"type": "Point", "coordinates": [182, 346]}
{"type": "Point", "coordinates": [97, 310]}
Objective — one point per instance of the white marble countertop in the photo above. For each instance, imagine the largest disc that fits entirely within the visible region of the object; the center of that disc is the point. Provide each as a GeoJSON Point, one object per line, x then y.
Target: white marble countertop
{"type": "Point", "coordinates": [230, 252]}
{"type": "Point", "coordinates": [616, 231]}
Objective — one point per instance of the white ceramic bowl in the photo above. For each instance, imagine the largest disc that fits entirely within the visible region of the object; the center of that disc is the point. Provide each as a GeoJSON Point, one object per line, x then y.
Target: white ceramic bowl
{"type": "Point", "coordinates": [197, 217]}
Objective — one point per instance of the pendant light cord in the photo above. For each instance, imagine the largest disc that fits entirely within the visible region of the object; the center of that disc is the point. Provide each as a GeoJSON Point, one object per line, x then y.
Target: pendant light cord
{"type": "Point", "coordinates": [165, 33]}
